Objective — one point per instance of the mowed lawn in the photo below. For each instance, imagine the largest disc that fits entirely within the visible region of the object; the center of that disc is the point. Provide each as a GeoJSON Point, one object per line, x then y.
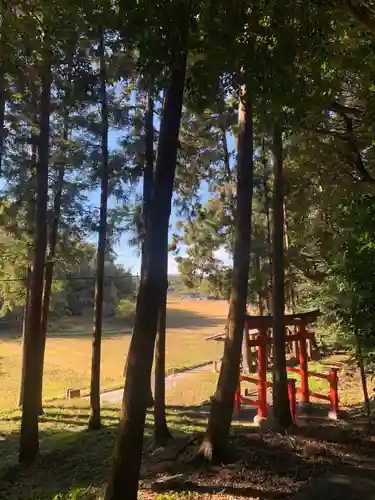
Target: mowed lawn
{"type": "Point", "coordinates": [68, 350]}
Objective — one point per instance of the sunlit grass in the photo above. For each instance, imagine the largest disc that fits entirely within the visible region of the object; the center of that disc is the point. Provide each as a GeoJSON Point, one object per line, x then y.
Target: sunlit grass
{"type": "Point", "coordinates": [68, 353]}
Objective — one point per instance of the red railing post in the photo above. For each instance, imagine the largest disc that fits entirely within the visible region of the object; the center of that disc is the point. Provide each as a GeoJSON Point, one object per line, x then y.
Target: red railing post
{"type": "Point", "coordinates": [292, 398]}
{"type": "Point", "coordinates": [334, 393]}
{"type": "Point", "coordinates": [237, 397]}
{"type": "Point", "coordinates": [262, 374]}
{"type": "Point", "coordinates": [305, 396]}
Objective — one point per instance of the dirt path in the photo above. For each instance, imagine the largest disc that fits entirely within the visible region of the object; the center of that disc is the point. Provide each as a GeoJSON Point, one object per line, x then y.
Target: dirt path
{"type": "Point", "coordinates": [115, 397]}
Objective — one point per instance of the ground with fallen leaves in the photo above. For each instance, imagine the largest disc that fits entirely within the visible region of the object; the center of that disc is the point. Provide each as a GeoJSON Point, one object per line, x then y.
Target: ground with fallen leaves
{"type": "Point", "coordinates": [75, 463]}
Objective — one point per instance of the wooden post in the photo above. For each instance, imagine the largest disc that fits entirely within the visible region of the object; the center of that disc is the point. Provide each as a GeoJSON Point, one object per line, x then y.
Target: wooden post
{"type": "Point", "coordinates": [292, 398]}
{"type": "Point", "coordinates": [334, 393]}
{"type": "Point", "coordinates": [305, 396]}
{"type": "Point", "coordinates": [262, 374]}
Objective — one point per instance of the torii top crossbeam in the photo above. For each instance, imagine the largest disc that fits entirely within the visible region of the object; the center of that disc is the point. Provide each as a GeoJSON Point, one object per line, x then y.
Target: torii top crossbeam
{"type": "Point", "coordinates": [264, 322]}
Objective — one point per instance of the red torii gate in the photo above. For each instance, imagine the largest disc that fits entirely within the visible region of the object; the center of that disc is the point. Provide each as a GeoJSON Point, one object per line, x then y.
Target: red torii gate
{"type": "Point", "coordinates": [262, 341]}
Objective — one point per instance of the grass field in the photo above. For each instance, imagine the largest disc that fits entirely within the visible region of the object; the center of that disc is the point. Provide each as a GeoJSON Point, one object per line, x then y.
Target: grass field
{"type": "Point", "coordinates": [68, 350]}
{"type": "Point", "coordinates": [75, 463]}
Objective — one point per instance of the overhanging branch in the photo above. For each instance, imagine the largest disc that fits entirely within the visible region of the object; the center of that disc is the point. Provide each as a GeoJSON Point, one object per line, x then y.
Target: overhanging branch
{"type": "Point", "coordinates": [362, 13]}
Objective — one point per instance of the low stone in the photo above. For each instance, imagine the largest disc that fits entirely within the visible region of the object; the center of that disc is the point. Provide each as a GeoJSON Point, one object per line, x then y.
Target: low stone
{"type": "Point", "coordinates": [73, 393]}
{"type": "Point", "coordinates": [332, 415]}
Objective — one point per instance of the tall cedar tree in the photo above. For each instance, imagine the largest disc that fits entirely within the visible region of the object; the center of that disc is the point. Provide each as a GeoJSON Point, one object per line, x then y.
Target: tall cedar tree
{"type": "Point", "coordinates": [148, 175]}
{"type": "Point", "coordinates": [161, 431]}
{"type": "Point", "coordinates": [24, 326]}
{"type": "Point", "coordinates": [2, 89]}
{"type": "Point", "coordinates": [280, 381]}
{"type": "Point", "coordinates": [215, 443]}
{"type": "Point", "coordinates": [29, 436]}
{"type": "Point", "coordinates": [2, 111]}
{"type": "Point", "coordinates": [128, 449]}
{"type": "Point", "coordinates": [52, 243]}
{"type": "Point", "coordinates": [361, 366]}
{"type": "Point", "coordinates": [267, 209]}
{"type": "Point", "coordinates": [94, 421]}
{"type": "Point", "coordinates": [31, 218]}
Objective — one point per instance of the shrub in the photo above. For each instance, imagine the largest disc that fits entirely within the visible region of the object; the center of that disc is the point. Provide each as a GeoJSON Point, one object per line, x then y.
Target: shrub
{"type": "Point", "coordinates": [126, 310]}
{"type": "Point", "coordinates": [77, 494]}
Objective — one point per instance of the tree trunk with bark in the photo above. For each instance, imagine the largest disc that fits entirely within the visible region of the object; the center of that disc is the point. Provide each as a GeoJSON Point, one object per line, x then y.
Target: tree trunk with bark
{"type": "Point", "coordinates": [291, 300]}
{"type": "Point", "coordinates": [2, 86]}
{"type": "Point", "coordinates": [24, 326]}
{"type": "Point", "coordinates": [94, 420]}
{"type": "Point", "coordinates": [29, 435]}
{"type": "Point", "coordinates": [148, 176]}
{"type": "Point", "coordinates": [48, 276]}
{"type": "Point", "coordinates": [2, 113]}
{"type": "Point", "coordinates": [31, 215]}
{"type": "Point", "coordinates": [280, 382]}
{"type": "Point", "coordinates": [362, 372]}
{"type": "Point", "coordinates": [128, 449]}
{"type": "Point", "coordinates": [161, 431]}
{"type": "Point", "coordinates": [267, 207]}
{"type": "Point", "coordinates": [215, 443]}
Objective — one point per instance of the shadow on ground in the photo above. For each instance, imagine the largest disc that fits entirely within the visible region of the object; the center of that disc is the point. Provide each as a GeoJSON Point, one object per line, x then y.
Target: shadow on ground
{"type": "Point", "coordinates": [82, 327]}
{"type": "Point", "coordinates": [264, 465]}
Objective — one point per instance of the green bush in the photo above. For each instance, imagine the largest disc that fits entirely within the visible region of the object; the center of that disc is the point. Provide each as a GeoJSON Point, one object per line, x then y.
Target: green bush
{"type": "Point", "coordinates": [77, 494]}
{"type": "Point", "coordinates": [126, 310]}
{"type": "Point", "coordinates": [346, 296]}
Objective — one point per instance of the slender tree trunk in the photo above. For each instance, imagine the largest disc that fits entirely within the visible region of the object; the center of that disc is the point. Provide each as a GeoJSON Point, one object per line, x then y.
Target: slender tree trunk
{"type": "Point", "coordinates": [260, 284]}
{"type": "Point", "coordinates": [280, 381]}
{"type": "Point", "coordinates": [31, 214]}
{"type": "Point", "coordinates": [128, 449]}
{"type": "Point", "coordinates": [29, 436]}
{"type": "Point", "coordinates": [48, 276]}
{"type": "Point", "coordinates": [267, 204]}
{"type": "Point", "coordinates": [94, 421]}
{"type": "Point", "coordinates": [291, 295]}
{"type": "Point", "coordinates": [2, 113]}
{"type": "Point", "coordinates": [361, 367]}
{"type": "Point", "coordinates": [2, 84]}
{"type": "Point", "coordinates": [24, 326]}
{"type": "Point", "coordinates": [215, 443]}
{"type": "Point", "coordinates": [226, 158]}
{"type": "Point", "coordinates": [148, 175]}
{"type": "Point", "coordinates": [147, 189]}
{"type": "Point", "coordinates": [161, 431]}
